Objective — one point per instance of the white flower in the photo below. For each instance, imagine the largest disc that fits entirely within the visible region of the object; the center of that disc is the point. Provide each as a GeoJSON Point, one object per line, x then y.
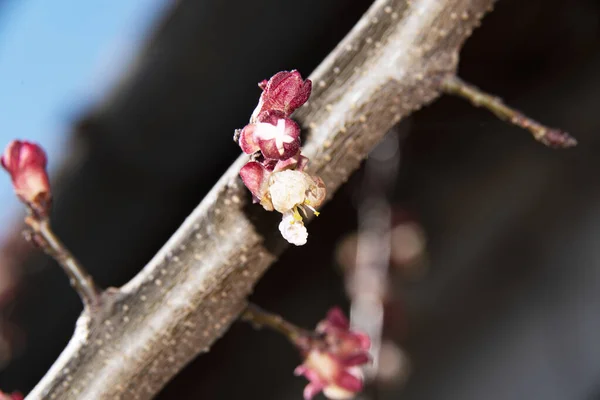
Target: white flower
{"type": "Point", "coordinates": [266, 131]}
{"type": "Point", "coordinates": [293, 229]}
{"type": "Point", "coordinates": [288, 189]}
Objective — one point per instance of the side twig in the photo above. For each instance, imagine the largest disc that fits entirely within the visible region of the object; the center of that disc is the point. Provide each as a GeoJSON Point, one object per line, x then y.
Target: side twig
{"type": "Point", "coordinates": [82, 282]}
{"type": "Point", "coordinates": [26, 163]}
{"type": "Point", "coordinates": [551, 137]}
{"type": "Point", "coordinates": [261, 318]}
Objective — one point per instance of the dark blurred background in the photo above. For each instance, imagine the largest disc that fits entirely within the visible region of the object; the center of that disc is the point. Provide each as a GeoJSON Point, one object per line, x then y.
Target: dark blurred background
{"type": "Point", "coordinates": [504, 301]}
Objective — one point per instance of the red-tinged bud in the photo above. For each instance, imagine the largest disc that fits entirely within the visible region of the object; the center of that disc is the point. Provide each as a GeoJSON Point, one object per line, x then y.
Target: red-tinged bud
{"type": "Point", "coordinates": [12, 396]}
{"type": "Point", "coordinates": [302, 162]}
{"type": "Point", "coordinates": [26, 164]}
{"type": "Point", "coordinates": [297, 162]}
{"type": "Point", "coordinates": [278, 139]}
{"type": "Point", "coordinates": [270, 116]}
{"type": "Point", "coordinates": [333, 359]}
{"type": "Point", "coordinates": [246, 139]}
{"type": "Point", "coordinates": [256, 178]}
{"type": "Point", "coordinates": [284, 92]}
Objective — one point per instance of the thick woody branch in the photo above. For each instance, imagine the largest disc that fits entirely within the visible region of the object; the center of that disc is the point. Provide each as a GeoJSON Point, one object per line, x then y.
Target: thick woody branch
{"type": "Point", "coordinates": [187, 296]}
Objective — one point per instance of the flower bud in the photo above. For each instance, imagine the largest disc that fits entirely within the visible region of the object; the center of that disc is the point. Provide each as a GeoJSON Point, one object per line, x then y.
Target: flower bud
{"type": "Point", "coordinates": [297, 162]}
{"type": "Point", "coordinates": [284, 92]}
{"type": "Point", "coordinates": [246, 139]}
{"type": "Point", "coordinates": [256, 178]}
{"type": "Point", "coordinates": [26, 164]}
{"type": "Point", "coordinates": [12, 396]}
{"type": "Point", "coordinates": [333, 359]}
{"type": "Point", "coordinates": [277, 139]}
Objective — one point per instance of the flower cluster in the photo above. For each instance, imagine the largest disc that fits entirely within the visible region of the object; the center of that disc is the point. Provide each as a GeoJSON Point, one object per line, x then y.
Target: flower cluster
{"type": "Point", "coordinates": [333, 358]}
{"type": "Point", "coordinates": [275, 173]}
{"type": "Point", "coordinates": [26, 164]}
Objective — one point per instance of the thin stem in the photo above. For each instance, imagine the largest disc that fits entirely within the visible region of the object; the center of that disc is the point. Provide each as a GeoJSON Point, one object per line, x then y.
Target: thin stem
{"type": "Point", "coordinates": [79, 278]}
{"type": "Point", "coordinates": [549, 136]}
{"type": "Point", "coordinates": [261, 318]}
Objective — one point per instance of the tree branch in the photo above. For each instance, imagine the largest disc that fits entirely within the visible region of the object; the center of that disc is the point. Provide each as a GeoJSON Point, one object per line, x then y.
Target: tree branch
{"type": "Point", "coordinates": [549, 136]}
{"type": "Point", "coordinates": [187, 296]}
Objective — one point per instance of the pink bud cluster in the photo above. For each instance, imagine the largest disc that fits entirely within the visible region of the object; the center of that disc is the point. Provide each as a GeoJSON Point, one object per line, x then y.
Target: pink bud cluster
{"type": "Point", "coordinates": [12, 396]}
{"type": "Point", "coordinates": [26, 164]}
{"type": "Point", "coordinates": [275, 173]}
{"type": "Point", "coordinates": [333, 359]}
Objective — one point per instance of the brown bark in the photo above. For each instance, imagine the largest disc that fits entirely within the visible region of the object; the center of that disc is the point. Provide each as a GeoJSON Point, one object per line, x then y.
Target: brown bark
{"type": "Point", "coordinates": [388, 66]}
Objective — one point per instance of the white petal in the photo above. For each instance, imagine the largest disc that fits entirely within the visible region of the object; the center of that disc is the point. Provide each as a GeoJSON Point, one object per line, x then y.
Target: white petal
{"type": "Point", "coordinates": [288, 189]}
{"type": "Point", "coordinates": [335, 392]}
{"type": "Point", "coordinates": [265, 131]}
{"type": "Point", "coordinates": [293, 231]}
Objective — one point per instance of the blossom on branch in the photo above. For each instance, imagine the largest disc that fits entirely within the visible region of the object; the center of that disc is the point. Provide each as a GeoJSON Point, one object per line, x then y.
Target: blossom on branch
{"type": "Point", "coordinates": [26, 163]}
{"type": "Point", "coordinates": [333, 359]}
{"type": "Point", "coordinates": [275, 174]}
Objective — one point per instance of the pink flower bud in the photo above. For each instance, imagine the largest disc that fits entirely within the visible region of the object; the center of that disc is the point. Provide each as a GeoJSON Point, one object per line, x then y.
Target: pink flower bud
{"type": "Point", "coordinates": [278, 139]}
{"type": "Point", "coordinates": [332, 359]}
{"type": "Point", "coordinates": [256, 178]}
{"type": "Point", "coordinates": [26, 164]}
{"type": "Point", "coordinates": [297, 162]}
{"type": "Point", "coordinates": [247, 141]}
{"type": "Point", "coordinates": [12, 396]}
{"type": "Point", "coordinates": [284, 92]}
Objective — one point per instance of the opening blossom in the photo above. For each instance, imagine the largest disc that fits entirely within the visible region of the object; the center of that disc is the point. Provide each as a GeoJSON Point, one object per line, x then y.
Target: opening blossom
{"type": "Point", "coordinates": [275, 174]}
{"type": "Point", "coordinates": [333, 359]}
{"type": "Point", "coordinates": [26, 164]}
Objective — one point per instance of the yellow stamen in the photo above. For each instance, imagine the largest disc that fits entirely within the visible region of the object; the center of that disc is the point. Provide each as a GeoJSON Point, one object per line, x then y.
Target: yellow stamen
{"type": "Point", "coordinates": [297, 215]}
{"type": "Point", "coordinates": [307, 204]}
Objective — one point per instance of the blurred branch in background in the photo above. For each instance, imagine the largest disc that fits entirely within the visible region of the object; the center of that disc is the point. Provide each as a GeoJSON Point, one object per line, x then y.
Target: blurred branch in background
{"type": "Point", "coordinates": [13, 252]}
{"type": "Point", "coordinates": [386, 242]}
{"type": "Point", "coordinates": [367, 281]}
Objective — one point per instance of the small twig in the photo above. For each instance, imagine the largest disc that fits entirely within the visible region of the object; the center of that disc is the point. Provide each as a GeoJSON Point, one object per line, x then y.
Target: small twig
{"type": "Point", "coordinates": [81, 281]}
{"type": "Point", "coordinates": [261, 318]}
{"type": "Point", "coordinates": [549, 136]}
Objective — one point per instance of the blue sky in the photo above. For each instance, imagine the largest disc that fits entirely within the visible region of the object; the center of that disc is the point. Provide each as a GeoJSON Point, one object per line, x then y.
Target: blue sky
{"type": "Point", "coordinates": [57, 58]}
